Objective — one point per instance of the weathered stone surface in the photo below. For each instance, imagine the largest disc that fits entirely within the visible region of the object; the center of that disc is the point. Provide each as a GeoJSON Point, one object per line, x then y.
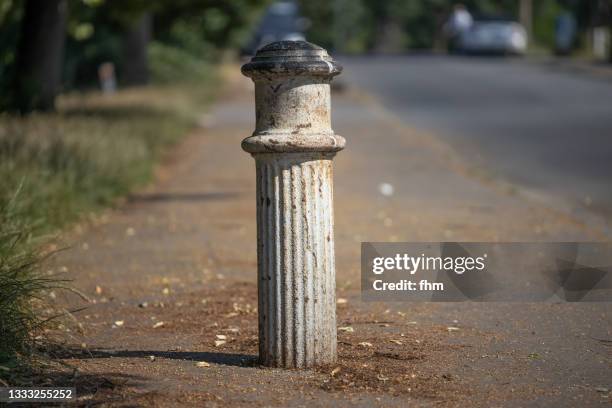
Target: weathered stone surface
{"type": "Point", "coordinates": [293, 146]}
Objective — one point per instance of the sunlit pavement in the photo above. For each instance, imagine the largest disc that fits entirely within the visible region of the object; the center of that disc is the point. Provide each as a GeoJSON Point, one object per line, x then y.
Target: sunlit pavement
{"type": "Point", "coordinates": [543, 125]}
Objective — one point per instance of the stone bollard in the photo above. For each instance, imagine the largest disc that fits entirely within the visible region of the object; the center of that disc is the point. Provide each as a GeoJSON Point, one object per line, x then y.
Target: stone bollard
{"type": "Point", "coordinates": [293, 146]}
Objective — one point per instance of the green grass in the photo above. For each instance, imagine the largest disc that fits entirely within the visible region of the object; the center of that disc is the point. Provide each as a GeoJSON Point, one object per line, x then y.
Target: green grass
{"type": "Point", "coordinates": [22, 289]}
{"type": "Point", "coordinates": [81, 159]}
{"type": "Point", "coordinates": [57, 168]}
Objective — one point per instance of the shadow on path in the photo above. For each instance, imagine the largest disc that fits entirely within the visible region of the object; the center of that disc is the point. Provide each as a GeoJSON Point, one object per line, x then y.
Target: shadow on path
{"type": "Point", "coordinates": [186, 197]}
{"type": "Point", "coordinates": [228, 359]}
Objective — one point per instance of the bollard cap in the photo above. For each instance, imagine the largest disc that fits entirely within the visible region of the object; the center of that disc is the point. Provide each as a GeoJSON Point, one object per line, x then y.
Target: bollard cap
{"type": "Point", "coordinates": [291, 58]}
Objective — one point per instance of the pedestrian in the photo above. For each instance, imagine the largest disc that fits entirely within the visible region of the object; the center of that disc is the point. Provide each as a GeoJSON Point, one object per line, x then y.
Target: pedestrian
{"type": "Point", "coordinates": [458, 23]}
{"type": "Point", "coordinates": [107, 79]}
{"type": "Point", "coordinates": [565, 33]}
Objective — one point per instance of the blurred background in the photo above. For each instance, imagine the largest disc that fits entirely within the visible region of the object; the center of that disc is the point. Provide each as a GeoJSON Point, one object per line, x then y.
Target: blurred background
{"type": "Point", "coordinates": [93, 92]}
{"type": "Point", "coordinates": [61, 45]}
{"type": "Point", "coordinates": [72, 69]}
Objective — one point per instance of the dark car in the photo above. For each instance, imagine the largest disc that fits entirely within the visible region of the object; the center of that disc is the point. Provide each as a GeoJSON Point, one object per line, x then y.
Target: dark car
{"type": "Point", "coordinates": [281, 22]}
{"type": "Point", "coordinates": [494, 35]}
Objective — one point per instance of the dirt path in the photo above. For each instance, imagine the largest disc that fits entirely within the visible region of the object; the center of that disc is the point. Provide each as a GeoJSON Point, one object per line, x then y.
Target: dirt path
{"type": "Point", "coordinates": [173, 271]}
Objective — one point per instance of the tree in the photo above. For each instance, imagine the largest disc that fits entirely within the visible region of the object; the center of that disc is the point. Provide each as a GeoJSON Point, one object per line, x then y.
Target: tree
{"type": "Point", "coordinates": [608, 11]}
{"type": "Point", "coordinates": [135, 68]}
{"type": "Point", "coordinates": [39, 55]}
{"type": "Point", "coordinates": [526, 16]}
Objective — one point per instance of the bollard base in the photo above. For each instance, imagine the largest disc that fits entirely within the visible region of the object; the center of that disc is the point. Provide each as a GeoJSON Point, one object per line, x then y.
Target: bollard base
{"type": "Point", "coordinates": [296, 273]}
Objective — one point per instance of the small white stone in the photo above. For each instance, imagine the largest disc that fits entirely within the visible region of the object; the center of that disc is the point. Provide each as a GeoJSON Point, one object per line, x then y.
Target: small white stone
{"type": "Point", "coordinates": [386, 189]}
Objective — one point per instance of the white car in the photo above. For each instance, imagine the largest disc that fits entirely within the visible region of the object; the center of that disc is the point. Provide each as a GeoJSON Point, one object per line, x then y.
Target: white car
{"type": "Point", "coordinates": [494, 37]}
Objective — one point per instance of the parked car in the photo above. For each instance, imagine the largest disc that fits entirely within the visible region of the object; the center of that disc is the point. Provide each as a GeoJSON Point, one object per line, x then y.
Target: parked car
{"type": "Point", "coordinates": [494, 36]}
{"type": "Point", "coordinates": [281, 22]}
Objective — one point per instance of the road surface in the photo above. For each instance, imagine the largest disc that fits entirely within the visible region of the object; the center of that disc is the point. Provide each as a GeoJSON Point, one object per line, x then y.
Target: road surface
{"type": "Point", "coordinates": [545, 130]}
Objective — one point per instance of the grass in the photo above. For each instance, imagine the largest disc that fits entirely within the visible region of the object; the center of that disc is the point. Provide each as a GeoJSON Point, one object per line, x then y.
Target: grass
{"type": "Point", "coordinates": [94, 150]}
{"type": "Point", "coordinates": [22, 289]}
{"type": "Point", "coordinates": [57, 168]}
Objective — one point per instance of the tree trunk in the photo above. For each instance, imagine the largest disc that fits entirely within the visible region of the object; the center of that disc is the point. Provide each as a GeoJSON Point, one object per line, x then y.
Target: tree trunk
{"type": "Point", "coordinates": [39, 55]}
{"type": "Point", "coordinates": [135, 62]}
{"type": "Point", "coordinates": [526, 16]}
{"type": "Point", "coordinates": [610, 31]}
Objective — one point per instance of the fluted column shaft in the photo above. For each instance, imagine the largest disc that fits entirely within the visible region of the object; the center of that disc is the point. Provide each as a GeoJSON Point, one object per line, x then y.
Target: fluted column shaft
{"type": "Point", "coordinates": [293, 146]}
{"type": "Point", "coordinates": [296, 275]}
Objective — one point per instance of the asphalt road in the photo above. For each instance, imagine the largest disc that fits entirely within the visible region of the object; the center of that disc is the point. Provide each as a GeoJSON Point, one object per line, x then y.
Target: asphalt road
{"type": "Point", "coordinates": [546, 130]}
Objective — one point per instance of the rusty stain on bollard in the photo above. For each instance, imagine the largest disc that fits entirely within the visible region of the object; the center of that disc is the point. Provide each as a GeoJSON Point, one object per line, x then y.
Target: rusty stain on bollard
{"type": "Point", "coordinates": [293, 146]}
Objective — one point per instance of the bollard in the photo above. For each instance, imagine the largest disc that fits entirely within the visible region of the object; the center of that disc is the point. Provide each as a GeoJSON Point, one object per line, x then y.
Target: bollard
{"type": "Point", "coordinates": [293, 146]}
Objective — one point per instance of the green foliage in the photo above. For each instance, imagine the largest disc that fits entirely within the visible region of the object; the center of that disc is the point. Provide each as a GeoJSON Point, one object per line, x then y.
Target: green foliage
{"type": "Point", "coordinates": [22, 289]}
{"type": "Point", "coordinates": [544, 26]}
{"type": "Point", "coordinates": [96, 28]}
{"type": "Point", "coordinates": [172, 64]}
{"type": "Point", "coordinates": [11, 13]}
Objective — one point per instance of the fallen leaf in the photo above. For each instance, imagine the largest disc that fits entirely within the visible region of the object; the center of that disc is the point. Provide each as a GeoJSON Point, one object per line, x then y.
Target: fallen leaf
{"type": "Point", "coordinates": [158, 324]}
{"type": "Point", "coordinates": [335, 371]}
{"type": "Point", "coordinates": [365, 344]}
{"type": "Point", "coordinates": [534, 356]}
{"type": "Point", "coordinates": [119, 323]}
{"type": "Point", "coordinates": [219, 343]}
{"type": "Point", "coordinates": [202, 364]}
{"type": "Point", "coordinates": [452, 329]}
{"type": "Point", "coordinates": [221, 337]}
{"type": "Point", "coordinates": [152, 358]}
{"type": "Point", "coordinates": [381, 377]}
